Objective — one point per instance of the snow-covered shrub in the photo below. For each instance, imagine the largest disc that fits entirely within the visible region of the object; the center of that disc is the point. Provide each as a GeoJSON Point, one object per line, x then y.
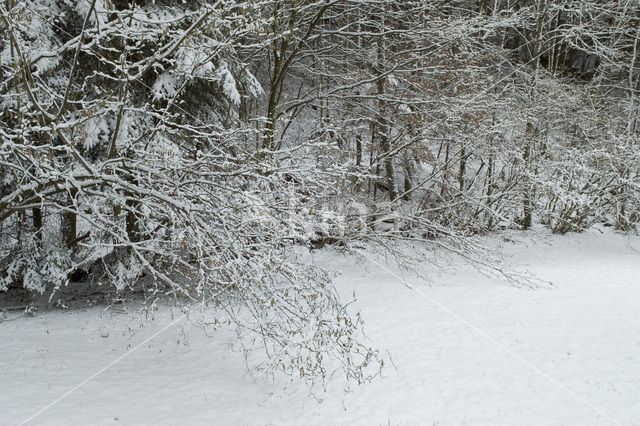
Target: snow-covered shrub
{"type": "Point", "coordinates": [125, 158]}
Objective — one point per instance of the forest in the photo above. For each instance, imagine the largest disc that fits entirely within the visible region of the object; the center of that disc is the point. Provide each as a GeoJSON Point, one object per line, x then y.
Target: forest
{"type": "Point", "coordinates": [186, 152]}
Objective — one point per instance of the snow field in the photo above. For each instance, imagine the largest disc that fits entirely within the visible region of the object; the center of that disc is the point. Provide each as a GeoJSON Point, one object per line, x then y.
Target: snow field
{"type": "Point", "coordinates": [565, 355]}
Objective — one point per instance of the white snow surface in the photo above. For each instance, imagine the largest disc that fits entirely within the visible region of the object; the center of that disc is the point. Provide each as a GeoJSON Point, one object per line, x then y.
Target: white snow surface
{"type": "Point", "coordinates": [468, 350]}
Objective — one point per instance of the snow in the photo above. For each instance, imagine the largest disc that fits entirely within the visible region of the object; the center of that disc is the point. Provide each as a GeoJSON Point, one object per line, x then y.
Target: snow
{"type": "Point", "coordinates": [469, 349]}
{"type": "Point", "coordinates": [165, 87]}
{"type": "Point", "coordinates": [228, 83]}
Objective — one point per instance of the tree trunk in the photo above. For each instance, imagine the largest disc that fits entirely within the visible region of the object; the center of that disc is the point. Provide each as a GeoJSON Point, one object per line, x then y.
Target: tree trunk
{"type": "Point", "coordinates": [132, 219]}
{"type": "Point", "coordinates": [37, 225]}
{"type": "Point", "coordinates": [69, 222]}
{"type": "Point", "coordinates": [383, 124]}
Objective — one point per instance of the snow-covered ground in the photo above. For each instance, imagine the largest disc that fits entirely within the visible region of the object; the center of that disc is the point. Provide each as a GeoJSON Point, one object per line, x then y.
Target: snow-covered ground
{"type": "Point", "coordinates": [467, 349]}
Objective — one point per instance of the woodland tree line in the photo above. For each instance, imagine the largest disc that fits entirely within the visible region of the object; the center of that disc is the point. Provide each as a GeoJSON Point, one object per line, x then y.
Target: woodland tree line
{"type": "Point", "coordinates": [186, 149]}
